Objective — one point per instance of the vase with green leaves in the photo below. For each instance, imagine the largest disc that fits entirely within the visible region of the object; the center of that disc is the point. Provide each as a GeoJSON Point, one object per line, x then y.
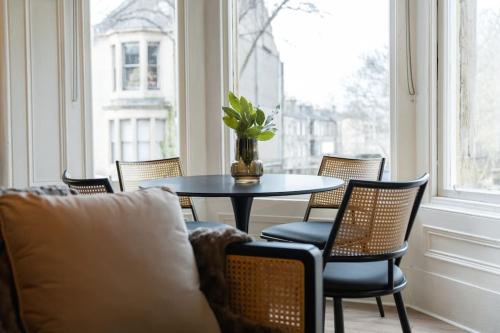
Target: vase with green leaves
{"type": "Point", "coordinates": [251, 125]}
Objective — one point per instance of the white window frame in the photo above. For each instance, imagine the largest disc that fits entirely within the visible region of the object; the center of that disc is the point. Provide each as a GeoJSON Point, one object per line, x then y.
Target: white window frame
{"type": "Point", "coordinates": [445, 128]}
{"type": "Point", "coordinates": [187, 13]}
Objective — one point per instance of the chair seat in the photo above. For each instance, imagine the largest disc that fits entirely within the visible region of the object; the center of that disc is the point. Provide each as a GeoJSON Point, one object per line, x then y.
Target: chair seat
{"type": "Point", "coordinates": [310, 232]}
{"type": "Point", "coordinates": [192, 225]}
{"type": "Point", "coordinates": [344, 278]}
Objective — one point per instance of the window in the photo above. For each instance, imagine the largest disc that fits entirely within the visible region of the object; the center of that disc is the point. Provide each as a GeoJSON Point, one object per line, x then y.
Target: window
{"type": "Point", "coordinates": [470, 100]}
{"type": "Point", "coordinates": [131, 70]}
{"type": "Point", "coordinates": [143, 139]}
{"type": "Point", "coordinates": [133, 119]}
{"type": "Point", "coordinates": [127, 140]}
{"type": "Point", "coordinates": [153, 48]}
{"type": "Point", "coordinates": [113, 66]}
{"type": "Point", "coordinates": [113, 138]}
{"type": "Point", "coordinates": [332, 87]}
{"type": "Point", "coordinates": [159, 142]}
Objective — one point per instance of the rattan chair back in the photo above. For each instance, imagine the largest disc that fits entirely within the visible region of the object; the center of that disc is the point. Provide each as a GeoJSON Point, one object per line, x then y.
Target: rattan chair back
{"type": "Point", "coordinates": [131, 174]}
{"type": "Point", "coordinates": [92, 186]}
{"type": "Point", "coordinates": [345, 169]}
{"type": "Point", "coordinates": [375, 218]}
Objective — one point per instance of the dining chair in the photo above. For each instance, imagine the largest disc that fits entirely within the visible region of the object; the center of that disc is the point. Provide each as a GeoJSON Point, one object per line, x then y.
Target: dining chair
{"type": "Point", "coordinates": [367, 242]}
{"type": "Point", "coordinates": [131, 174]}
{"type": "Point", "coordinates": [92, 186]}
{"type": "Point", "coordinates": [314, 232]}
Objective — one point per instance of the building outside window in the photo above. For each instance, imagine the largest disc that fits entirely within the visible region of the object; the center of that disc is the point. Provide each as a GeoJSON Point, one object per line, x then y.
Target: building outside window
{"type": "Point", "coordinates": [470, 105]}
{"type": "Point", "coordinates": [141, 35]}
{"type": "Point", "coordinates": [332, 87]}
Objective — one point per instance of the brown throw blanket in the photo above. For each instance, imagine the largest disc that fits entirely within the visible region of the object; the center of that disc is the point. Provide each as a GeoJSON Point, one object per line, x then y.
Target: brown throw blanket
{"type": "Point", "coordinates": [209, 248]}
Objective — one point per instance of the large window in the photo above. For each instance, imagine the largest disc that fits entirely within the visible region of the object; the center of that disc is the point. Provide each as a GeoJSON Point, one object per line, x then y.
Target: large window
{"type": "Point", "coordinates": [326, 65]}
{"type": "Point", "coordinates": [470, 103]}
{"type": "Point", "coordinates": [134, 87]}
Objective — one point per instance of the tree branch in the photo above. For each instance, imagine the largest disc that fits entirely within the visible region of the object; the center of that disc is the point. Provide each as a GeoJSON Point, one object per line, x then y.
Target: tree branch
{"type": "Point", "coordinates": [261, 32]}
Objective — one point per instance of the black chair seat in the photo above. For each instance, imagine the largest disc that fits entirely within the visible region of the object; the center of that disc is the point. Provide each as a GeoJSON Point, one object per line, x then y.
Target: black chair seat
{"type": "Point", "coordinates": [311, 232]}
{"type": "Point", "coordinates": [352, 277]}
{"type": "Point", "coordinates": [192, 225]}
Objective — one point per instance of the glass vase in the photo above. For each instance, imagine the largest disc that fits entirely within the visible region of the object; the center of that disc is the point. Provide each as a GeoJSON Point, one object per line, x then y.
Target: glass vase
{"type": "Point", "coordinates": [246, 168]}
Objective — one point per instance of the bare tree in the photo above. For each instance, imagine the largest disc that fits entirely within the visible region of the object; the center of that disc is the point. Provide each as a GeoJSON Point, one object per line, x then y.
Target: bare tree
{"type": "Point", "coordinates": [252, 5]}
{"type": "Point", "coordinates": [367, 96]}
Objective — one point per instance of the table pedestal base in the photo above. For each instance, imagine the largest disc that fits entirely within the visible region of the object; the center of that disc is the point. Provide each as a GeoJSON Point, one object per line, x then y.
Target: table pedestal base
{"type": "Point", "coordinates": [241, 208]}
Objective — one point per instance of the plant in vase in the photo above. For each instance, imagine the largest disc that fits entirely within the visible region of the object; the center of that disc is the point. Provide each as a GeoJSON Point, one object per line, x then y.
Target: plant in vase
{"type": "Point", "coordinates": [251, 125]}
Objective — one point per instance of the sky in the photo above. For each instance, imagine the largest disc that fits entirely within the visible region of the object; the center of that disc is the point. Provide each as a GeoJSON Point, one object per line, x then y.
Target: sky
{"type": "Point", "coordinates": [320, 52]}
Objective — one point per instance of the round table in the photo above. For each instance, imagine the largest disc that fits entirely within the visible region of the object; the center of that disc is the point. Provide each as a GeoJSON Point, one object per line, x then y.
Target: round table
{"type": "Point", "coordinates": [242, 195]}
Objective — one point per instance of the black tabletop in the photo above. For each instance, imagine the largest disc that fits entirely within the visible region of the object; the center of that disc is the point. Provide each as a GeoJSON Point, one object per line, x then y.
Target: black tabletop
{"type": "Point", "coordinates": [224, 185]}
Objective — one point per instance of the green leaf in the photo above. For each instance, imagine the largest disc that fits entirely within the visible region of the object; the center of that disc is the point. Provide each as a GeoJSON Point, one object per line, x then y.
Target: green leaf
{"type": "Point", "coordinates": [231, 122]}
{"type": "Point", "coordinates": [245, 114]}
{"type": "Point", "coordinates": [253, 132]}
{"type": "Point", "coordinates": [264, 136]}
{"type": "Point", "coordinates": [234, 101]}
{"type": "Point", "coordinates": [261, 117]}
{"type": "Point", "coordinates": [231, 113]}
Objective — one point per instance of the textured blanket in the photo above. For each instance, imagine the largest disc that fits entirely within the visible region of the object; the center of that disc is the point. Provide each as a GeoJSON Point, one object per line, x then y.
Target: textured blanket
{"type": "Point", "coordinates": [209, 248]}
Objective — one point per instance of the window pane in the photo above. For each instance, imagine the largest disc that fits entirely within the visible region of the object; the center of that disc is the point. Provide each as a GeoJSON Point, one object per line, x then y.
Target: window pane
{"type": "Point", "coordinates": [159, 148]}
{"type": "Point", "coordinates": [333, 87]}
{"type": "Point", "coordinates": [153, 65]}
{"type": "Point", "coordinates": [143, 142]}
{"type": "Point", "coordinates": [131, 70]}
{"type": "Point", "coordinates": [130, 53]}
{"type": "Point", "coordinates": [473, 108]}
{"type": "Point", "coordinates": [133, 31]}
{"type": "Point", "coordinates": [153, 53]}
{"type": "Point", "coordinates": [113, 66]}
{"type": "Point", "coordinates": [113, 142]}
{"type": "Point", "coordinates": [126, 139]}
{"type": "Point", "coordinates": [143, 129]}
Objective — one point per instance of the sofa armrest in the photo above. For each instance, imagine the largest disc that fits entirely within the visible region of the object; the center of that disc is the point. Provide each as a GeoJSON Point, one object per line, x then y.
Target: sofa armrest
{"type": "Point", "coordinates": [277, 283]}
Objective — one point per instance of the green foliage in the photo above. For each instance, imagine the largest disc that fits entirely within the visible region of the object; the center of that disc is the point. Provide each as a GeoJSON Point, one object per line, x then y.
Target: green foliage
{"type": "Point", "coordinates": [248, 121]}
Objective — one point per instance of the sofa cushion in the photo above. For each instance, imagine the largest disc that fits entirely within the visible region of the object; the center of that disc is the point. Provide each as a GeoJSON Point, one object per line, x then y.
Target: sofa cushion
{"type": "Point", "coordinates": [9, 316]}
{"type": "Point", "coordinates": [115, 263]}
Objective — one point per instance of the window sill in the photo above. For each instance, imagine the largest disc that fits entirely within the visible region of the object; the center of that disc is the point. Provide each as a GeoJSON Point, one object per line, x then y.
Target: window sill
{"type": "Point", "coordinates": [466, 207]}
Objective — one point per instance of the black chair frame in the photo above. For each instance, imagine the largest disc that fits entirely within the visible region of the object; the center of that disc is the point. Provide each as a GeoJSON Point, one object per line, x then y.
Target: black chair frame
{"type": "Point", "coordinates": [72, 182]}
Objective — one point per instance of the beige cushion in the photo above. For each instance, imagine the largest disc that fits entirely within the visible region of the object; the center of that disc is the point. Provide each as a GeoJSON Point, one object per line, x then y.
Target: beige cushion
{"type": "Point", "coordinates": [114, 263]}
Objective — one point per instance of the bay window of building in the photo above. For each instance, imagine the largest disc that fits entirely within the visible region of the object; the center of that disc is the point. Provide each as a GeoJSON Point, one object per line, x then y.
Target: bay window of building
{"type": "Point", "coordinates": [332, 87]}
{"type": "Point", "coordinates": [470, 100]}
{"type": "Point", "coordinates": [138, 117]}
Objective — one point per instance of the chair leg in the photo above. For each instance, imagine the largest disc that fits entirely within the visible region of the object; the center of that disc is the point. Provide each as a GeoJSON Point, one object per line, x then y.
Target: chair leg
{"type": "Point", "coordinates": [403, 317]}
{"type": "Point", "coordinates": [338, 315]}
{"type": "Point", "coordinates": [380, 306]}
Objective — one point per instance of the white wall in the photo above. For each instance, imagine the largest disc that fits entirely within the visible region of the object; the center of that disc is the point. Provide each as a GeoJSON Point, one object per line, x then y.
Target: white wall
{"type": "Point", "coordinates": [42, 97]}
{"type": "Point", "coordinates": [454, 267]}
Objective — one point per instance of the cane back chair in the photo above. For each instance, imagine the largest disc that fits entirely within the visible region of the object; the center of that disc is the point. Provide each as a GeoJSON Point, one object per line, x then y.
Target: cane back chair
{"type": "Point", "coordinates": [93, 186]}
{"type": "Point", "coordinates": [131, 174]}
{"type": "Point", "coordinates": [317, 233]}
{"type": "Point", "coordinates": [331, 166]}
{"type": "Point", "coordinates": [369, 237]}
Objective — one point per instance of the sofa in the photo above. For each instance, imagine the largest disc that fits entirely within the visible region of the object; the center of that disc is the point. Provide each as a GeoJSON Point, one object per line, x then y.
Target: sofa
{"type": "Point", "coordinates": [276, 285]}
